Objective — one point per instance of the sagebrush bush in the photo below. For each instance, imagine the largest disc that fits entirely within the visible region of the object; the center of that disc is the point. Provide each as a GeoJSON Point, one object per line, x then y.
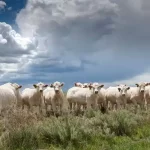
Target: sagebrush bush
{"type": "Point", "coordinates": [93, 130]}
{"type": "Point", "coordinates": [89, 113]}
{"type": "Point", "coordinates": [118, 123]}
{"type": "Point", "coordinates": [123, 122]}
{"type": "Point", "coordinates": [22, 139]}
{"type": "Point", "coordinates": [19, 119]}
{"type": "Point", "coordinates": [64, 131]}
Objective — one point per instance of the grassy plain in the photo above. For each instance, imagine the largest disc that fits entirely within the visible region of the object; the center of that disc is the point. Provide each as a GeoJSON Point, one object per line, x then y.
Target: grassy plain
{"type": "Point", "coordinates": [120, 130]}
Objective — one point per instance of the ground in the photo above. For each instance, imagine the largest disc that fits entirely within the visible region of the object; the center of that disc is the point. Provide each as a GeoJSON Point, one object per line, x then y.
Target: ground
{"type": "Point", "coordinates": [119, 130]}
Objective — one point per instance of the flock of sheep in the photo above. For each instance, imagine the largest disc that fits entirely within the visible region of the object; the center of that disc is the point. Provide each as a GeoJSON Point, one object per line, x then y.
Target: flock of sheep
{"type": "Point", "coordinates": [80, 96]}
{"type": "Point", "coordinates": [96, 96]}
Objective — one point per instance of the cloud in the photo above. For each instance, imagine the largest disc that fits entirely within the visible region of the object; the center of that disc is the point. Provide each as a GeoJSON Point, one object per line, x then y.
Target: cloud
{"type": "Point", "coordinates": [2, 40]}
{"type": "Point", "coordinates": [144, 77]}
{"type": "Point", "coordinates": [75, 25]}
{"type": "Point", "coordinates": [66, 30]}
{"type": "Point", "coordinates": [15, 50]}
{"type": "Point", "coordinates": [2, 5]}
{"type": "Point", "coordinates": [78, 40]}
{"type": "Point", "coordinates": [132, 27]}
{"type": "Point", "coordinates": [13, 43]}
{"type": "Point", "coordinates": [9, 8]}
{"type": "Point", "coordinates": [108, 33]}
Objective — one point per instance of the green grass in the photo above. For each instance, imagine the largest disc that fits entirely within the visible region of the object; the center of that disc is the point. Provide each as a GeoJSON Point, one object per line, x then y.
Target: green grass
{"type": "Point", "coordinates": [120, 130]}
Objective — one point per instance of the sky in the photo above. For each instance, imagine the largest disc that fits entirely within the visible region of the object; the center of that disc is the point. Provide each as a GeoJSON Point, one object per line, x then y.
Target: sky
{"type": "Point", "coordinates": [106, 41]}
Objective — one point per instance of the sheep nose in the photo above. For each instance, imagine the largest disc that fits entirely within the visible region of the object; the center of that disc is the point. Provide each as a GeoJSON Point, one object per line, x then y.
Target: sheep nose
{"type": "Point", "coordinates": [123, 94]}
{"type": "Point", "coordinates": [96, 92]}
{"type": "Point", "coordinates": [57, 91]}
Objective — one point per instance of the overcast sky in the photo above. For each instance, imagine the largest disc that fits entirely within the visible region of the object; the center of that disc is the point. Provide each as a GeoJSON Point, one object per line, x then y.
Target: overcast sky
{"type": "Point", "coordinates": [107, 41]}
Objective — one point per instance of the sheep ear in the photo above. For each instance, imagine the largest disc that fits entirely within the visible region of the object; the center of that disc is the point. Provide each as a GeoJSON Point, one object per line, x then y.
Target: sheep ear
{"type": "Point", "coordinates": [85, 86]}
{"type": "Point", "coordinates": [62, 84]}
{"type": "Point", "coordinates": [101, 86]}
{"type": "Point", "coordinates": [128, 88]}
{"type": "Point", "coordinates": [147, 84]}
{"type": "Point", "coordinates": [119, 89]}
{"type": "Point", "coordinates": [35, 85]}
{"type": "Point", "coordinates": [90, 85]}
{"type": "Point", "coordinates": [137, 84]}
{"type": "Point", "coordinates": [45, 85]}
{"type": "Point", "coordinates": [20, 87]}
{"type": "Point", "coordinates": [75, 84]}
{"type": "Point", "coordinates": [51, 85]}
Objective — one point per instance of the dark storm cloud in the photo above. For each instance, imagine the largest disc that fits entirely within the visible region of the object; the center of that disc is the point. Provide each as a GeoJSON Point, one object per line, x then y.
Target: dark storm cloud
{"type": "Point", "coordinates": [54, 66]}
{"type": "Point", "coordinates": [100, 40]}
{"type": "Point", "coordinates": [132, 26]}
{"type": "Point", "coordinates": [75, 28]}
{"type": "Point", "coordinates": [8, 60]}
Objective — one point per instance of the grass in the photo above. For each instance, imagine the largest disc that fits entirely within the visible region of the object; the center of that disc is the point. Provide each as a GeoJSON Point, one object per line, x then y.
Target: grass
{"type": "Point", "coordinates": [120, 130]}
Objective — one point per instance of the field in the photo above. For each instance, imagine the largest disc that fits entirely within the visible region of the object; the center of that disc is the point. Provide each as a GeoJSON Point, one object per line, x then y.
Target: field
{"type": "Point", "coordinates": [115, 130]}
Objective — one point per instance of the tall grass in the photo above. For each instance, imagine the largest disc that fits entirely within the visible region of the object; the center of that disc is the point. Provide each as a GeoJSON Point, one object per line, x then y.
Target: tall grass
{"type": "Point", "coordinates": [112, 131]}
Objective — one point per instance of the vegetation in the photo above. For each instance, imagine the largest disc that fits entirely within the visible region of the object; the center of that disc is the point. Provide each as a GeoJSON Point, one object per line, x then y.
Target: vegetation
{"type": "Point", "coordinates": [119, 130]}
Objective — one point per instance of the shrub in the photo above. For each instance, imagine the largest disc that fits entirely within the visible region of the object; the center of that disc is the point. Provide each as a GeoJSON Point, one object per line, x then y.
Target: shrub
{"type": "Point", "coordinates": [64, 131]}
{"type": "Point", "coordinates": [89, 113]}
{"type": "Point", "coordinates": [118, 123]}
{"type": "Point", "coordinates": [116, 130]}
{"type": "Point", "coordinates": [21, 139]}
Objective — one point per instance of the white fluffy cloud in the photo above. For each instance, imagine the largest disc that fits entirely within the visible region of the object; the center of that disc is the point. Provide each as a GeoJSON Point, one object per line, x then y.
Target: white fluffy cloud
{"type": "Point", "coordinates": [13, 43]}
{"type": "Point", "coordinates": [15, 50]}
{"type": "Point", "coordinates": [2, 40]}
{"type": "Point", "coordinates": [68, 26]}
{"type": "Point", "coordinates": [87, 40]}
{"type": "Point", "coordinates": [66, 30]}
{"type": "Point", "coordinates": [144, 77]}
{"type": "Point", "coordinates": [2, 4]}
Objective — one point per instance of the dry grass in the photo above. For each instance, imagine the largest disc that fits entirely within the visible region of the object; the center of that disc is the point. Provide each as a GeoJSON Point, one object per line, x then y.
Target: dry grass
{"type": "Point", "coordinates": [123, 129]}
